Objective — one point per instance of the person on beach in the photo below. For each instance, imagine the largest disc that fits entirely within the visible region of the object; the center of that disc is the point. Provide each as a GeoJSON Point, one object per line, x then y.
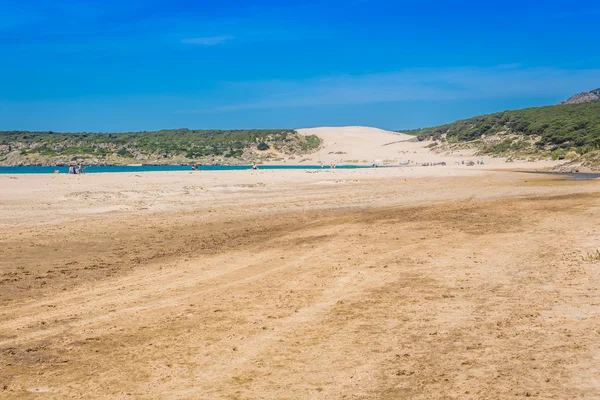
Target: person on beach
{"type": "Point", "coordinates": [254, 166]}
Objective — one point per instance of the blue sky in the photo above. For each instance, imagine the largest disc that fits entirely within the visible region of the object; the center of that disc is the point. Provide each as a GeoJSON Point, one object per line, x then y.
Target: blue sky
{"type": "Point", "coordinates": [122, 65]}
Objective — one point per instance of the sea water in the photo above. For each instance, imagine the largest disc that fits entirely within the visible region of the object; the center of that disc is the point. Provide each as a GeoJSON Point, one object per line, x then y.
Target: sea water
{"type": "Point", "coordinates": [157, 168]}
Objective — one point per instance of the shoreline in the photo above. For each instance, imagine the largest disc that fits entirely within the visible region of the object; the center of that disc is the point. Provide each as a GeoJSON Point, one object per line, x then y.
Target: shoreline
{"type": "Point", "coordinates": [49, 170]}
{"type": "Point", "coordinates": [311, 168]}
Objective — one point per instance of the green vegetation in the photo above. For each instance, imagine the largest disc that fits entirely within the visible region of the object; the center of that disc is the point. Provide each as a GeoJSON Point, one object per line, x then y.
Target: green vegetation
{"type": "Point", "coordinates": [507, 145]}
{"type": "Point", "coordinates": [558, 154]}
{"type": "Point", "coordinates": [566, 127]}
{"type": "Point", "coordinates": [412, 132]}
{"type": "Point", "coordinates": [262, 146]}
{"type": "Point", "coordinates": [123, 152]}
{"type": "Point", "coordinates": [165, 144]}
{"type": "Point", "coordinates": [589, 162]}
{"type": "Point", "coordinates": [312, 142]}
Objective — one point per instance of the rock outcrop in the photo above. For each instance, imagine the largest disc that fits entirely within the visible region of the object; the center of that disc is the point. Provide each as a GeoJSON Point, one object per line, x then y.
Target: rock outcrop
{"type": "Point", "coordinates": [585, 97]}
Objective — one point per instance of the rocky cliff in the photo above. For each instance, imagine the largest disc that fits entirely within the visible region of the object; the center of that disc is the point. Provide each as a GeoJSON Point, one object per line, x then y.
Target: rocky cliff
{"type": "Point", "coordinates": [585, 97]}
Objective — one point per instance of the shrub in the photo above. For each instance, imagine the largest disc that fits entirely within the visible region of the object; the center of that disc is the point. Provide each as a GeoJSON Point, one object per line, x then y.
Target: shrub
{"type": "Point", "coordinates": [312, 142]}
{"type": "Point", "coordinates": [503, 146]}
{"type": "Point", "coordinates": [571, 155]}
{"type": "Point", "coordinates": [558, 154]}
{"type": "Point", "coordinates": [262, 146]}
{"type": "Point", "coordinates": [123, 152]}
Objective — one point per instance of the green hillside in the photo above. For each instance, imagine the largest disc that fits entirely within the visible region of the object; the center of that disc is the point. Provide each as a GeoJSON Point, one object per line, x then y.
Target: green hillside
{"type": "Point", "coordinates": [165, 146]}
{"type": "Point", "coordinates": [567, 127]}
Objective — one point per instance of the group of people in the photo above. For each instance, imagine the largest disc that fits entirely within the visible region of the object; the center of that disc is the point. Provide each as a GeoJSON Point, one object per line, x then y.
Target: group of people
{"type": "Point", "coordinates": [75, 169]}
{"type": "Point", "coordinates": [433, 164]}
{"type": "Point", "coordinates": [468, 163]}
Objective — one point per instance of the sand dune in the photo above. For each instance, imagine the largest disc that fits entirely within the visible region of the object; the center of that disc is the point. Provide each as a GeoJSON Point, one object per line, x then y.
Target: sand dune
{"type": "Point", "coordinates": [358, 143]}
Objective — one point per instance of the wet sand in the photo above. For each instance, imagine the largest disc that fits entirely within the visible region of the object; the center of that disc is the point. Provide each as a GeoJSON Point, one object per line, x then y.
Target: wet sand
{"type": "Point", "coordinates": [430, 283]}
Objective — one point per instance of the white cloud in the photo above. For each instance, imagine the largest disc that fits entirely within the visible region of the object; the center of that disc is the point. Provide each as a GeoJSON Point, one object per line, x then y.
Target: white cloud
{"type": "Point", "coordinates": [207, 41]}
{"type": "Point", "coordinates": [457, 83]}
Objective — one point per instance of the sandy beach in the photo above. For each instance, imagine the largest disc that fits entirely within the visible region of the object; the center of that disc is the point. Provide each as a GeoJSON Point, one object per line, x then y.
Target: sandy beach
{"type": "Point", "coordinates": [391, 283]}
{"type": "Point", "coordinates": [299, 200]}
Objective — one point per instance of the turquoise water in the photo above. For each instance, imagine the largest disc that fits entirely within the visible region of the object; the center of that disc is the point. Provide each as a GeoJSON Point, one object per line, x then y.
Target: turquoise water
{"type": "Point", "coordinates": [157, 168]}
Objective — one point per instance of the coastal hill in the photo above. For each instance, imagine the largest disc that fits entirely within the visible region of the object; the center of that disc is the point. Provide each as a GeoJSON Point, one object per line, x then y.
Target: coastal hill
{"type": "Point", "coordinates": [160, 147]}
{"type": "Point", "coordinates": [564, 131]}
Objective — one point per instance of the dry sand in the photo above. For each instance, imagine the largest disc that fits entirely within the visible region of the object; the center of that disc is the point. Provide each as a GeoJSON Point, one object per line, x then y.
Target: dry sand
{"type": "Point", "coordinates": [444, 283]}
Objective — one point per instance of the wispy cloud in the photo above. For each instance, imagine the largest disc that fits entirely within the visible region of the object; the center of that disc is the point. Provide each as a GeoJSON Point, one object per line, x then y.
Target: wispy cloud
{"type": "Point", "coordinates": [207, 41]}
{"type": "Point", "coordinates": [460, 83]}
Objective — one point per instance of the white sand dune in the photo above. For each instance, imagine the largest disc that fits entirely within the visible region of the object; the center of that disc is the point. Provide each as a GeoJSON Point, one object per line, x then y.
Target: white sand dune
{"type": "Point", "coordinates": [358, 143]}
